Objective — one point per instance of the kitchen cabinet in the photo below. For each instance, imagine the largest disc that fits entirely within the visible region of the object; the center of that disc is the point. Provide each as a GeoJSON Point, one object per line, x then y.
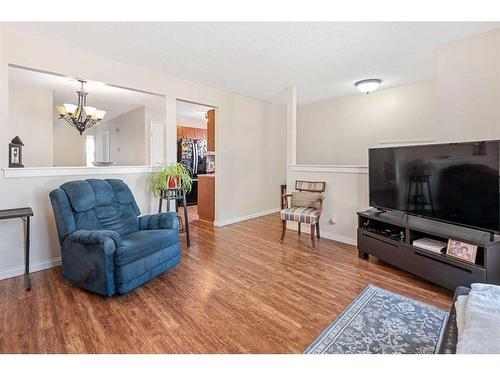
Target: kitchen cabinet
{"type": "Point", "coordinates": [189, 133]}
{"type": "Point", "coordinates": [180, 132]}
{"type": "Point", "coordinates": [206, 197]}
{"type": "Point", "coordinates": [193, 133]}
{"type": "Point", "coordinates": [211, 130]}
{"type": "Point", "coordinates": [201, 134]}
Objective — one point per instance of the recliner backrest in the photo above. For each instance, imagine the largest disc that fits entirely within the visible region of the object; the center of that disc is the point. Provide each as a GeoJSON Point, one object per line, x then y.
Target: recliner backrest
{"type": "Point", "coordinates": [94, 204]}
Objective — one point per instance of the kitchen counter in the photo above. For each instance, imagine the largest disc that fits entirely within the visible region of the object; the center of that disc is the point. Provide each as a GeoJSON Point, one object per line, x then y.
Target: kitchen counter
{"type": "Point", "coordinates": [206, 197]}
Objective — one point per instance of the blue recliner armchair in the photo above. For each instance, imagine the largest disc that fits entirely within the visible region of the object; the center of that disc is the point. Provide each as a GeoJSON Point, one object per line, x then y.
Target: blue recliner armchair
{"type": "Point", "coordinates": [106, 247]}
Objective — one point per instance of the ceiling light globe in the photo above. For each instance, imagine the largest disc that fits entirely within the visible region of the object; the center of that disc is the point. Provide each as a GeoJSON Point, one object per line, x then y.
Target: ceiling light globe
{"type": "Point", "coordinates": [368, 85]}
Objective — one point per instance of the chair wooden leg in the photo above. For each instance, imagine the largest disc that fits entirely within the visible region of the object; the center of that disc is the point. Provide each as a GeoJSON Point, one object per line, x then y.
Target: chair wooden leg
{"type": "Point", "coordinates": [317, 230]}
{"type": "Point", "coordinates": [284, 231]}
{"type": "Point", "coordinates": [298, 230]}
{"type": "Point", "coordinates": [313, 241]}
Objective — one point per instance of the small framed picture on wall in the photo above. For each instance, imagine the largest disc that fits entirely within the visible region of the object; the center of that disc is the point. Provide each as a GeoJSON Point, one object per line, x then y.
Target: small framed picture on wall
{"type": "Point", "coordinates": [462, 250]}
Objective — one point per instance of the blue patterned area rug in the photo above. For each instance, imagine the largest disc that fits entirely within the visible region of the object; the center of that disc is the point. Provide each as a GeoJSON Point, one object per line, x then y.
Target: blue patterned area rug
{"type": "Point", "coordinates": [381, 322]}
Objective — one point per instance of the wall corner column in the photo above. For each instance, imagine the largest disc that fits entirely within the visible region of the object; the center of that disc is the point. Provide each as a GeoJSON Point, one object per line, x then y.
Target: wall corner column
{"type": "Point", "coordinates": [291, 126]}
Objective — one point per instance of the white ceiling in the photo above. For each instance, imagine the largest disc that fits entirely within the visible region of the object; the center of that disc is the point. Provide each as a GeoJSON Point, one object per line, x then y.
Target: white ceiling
{"type": "Point", "coordinates": [114, 100]}
{"type": "Point", "coordinates": [260, 59]}
{"type": "Point", "coordinates": [191, 114]}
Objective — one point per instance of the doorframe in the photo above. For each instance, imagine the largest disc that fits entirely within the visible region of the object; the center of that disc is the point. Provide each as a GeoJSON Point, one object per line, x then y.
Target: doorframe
{"type": "Point", "coordinates": [163, 125]}
{"type": "Point", "coordinates": [217, 122]}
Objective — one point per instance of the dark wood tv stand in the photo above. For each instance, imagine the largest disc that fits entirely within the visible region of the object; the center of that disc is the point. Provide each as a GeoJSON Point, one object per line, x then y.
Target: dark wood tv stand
{"type": "Point", "coordinates": [388, 235]}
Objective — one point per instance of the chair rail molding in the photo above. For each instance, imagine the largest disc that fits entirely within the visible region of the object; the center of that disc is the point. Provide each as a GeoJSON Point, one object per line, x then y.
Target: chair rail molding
{"type": "Point", "coordinates": [352, 169]}
{"type": "Point", "coordinates": [73, 171]}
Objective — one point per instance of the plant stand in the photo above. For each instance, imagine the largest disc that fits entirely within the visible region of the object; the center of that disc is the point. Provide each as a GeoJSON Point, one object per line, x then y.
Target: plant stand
{"type": "Point", "coordinates": [176, 195]}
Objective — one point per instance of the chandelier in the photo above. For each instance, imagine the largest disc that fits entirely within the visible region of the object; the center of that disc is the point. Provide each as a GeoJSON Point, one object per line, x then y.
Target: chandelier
{"type": "Point", "coordinates": [80, 116]}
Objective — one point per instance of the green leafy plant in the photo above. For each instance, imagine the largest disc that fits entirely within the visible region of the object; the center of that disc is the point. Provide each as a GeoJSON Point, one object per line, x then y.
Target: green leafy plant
{"type": "Point", "coordinates": [171, 176]}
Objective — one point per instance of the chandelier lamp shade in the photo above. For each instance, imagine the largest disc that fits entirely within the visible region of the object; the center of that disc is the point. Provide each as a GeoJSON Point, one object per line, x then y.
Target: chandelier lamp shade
{"type": "Point", "coordinates": [80, 116]}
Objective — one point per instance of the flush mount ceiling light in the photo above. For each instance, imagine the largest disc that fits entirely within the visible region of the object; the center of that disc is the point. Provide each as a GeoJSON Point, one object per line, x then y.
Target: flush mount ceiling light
{"type": "Point", "coordinates": [368, 85]}
{"type": "Point", "coordinates": [80, 116]}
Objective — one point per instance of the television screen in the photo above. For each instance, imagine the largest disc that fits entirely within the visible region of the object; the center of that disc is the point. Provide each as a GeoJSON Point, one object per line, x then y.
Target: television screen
{"type": "Point", "coordinates": [457, 182]}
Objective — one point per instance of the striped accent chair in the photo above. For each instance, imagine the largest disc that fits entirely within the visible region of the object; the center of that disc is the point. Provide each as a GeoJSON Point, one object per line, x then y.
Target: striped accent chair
{"type": "Point", "coordinates": [304, 209]}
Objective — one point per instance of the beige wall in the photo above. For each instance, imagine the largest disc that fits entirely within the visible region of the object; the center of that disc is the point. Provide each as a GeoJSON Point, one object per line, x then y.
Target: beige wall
{"type": "Point", "coordinates": [69, 148]}
{"type": "Point", "coordinates": [468, 88]}
{"type": "Point", "coordinates": [340, 131]}
{"type": "Point", "coordinates": [250, 142]}
{"type": "Point", "coordinates": [346, 194]}
{"type": "Point", "coordinates": [127, 140]}
{"type": "Point", "coordinates": [30, 118]}
{"type": "Point", "coordinates": [462, 104]}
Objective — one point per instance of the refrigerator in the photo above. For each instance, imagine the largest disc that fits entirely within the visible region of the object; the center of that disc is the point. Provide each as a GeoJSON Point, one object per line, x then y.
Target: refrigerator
{"type": "Point", "coordinates": [193, 154]}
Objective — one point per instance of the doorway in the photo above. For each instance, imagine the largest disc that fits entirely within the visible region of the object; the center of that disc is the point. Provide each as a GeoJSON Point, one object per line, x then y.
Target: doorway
{"type": "Point", "coordinates": [102, 147]}
{"type": "Point", "coordinates": [196, 150]}
{"type": "Point", "coordinates": [156, 142]}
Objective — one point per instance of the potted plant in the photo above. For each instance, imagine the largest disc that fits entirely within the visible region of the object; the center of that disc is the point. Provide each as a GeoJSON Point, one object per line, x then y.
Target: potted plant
{"type": "Point", "coordinates": [172, 176]}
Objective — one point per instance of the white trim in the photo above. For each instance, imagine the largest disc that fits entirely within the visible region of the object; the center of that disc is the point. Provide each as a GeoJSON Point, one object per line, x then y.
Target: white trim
{"type": "Point", "coordinates": [402, 142]}
{"type": "Point", "coordinates": [325, 234]}
{"type": "Point", "coordinates": [162, 138]}
{"type": "Point", "coordinates": [34, 267]}
{"type": "Point", "coordinates": [73, 171]}
{"type": "Point", "coordinates": [356, 169]}
{"type": "Point", "coordinates": [339, 238]}
{"type": "Point", "coordinates": [221, 223]}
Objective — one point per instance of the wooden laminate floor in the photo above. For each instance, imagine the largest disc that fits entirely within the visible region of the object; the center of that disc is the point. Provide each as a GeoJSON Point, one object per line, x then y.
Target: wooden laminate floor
{"type": "Point", "coordinates": [236, 290]}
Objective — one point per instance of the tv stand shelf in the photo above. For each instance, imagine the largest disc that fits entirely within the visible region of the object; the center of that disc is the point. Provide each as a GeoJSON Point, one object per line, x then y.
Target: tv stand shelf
{"type": "Point", "coordinates": [389, 236]}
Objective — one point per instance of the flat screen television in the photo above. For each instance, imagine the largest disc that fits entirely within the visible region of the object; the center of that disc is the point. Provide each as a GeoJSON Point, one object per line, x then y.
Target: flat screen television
{"type": "Point", "coordinates": [454, 182]}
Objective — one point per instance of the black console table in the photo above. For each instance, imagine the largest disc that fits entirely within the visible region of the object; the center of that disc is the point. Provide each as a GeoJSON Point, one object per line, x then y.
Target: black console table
{"type": "Point", "coordinates": [389, 236]}
{"type": "Point", "coordinates": [176, 195]}
{"type": "Point", "coordinates": [23, 214]}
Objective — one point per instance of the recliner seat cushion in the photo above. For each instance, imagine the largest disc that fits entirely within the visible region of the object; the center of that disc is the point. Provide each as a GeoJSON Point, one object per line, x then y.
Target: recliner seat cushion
{"type": "Point", "coordinates": [141, 266]}
{"type": "Point", "coordinates": [143, 243]}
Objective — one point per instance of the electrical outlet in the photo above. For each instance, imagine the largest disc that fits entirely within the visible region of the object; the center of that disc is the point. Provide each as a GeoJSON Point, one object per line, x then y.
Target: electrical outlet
{"type": "Point", "coordinates": [333, 219]}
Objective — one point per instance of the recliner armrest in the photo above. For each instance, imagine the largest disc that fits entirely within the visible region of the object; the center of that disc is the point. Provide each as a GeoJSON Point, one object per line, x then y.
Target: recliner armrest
{"type": "Point", "coordinates": [108, 239]}
{"type": "Point", "coordinates": [88, 259]}
{"type": "Point", "coordinates": [164, 220]}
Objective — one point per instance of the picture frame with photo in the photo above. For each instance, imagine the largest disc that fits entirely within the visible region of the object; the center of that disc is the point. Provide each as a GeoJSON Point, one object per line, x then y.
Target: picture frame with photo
{"type": "Point", "coordinates": [462, 250]}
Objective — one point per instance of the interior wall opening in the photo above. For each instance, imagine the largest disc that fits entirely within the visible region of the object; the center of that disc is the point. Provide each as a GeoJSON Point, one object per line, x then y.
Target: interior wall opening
{"type": "Point", "coordinates": [196, 150]}
{"type": "Point", "coordinates": [110, 127]}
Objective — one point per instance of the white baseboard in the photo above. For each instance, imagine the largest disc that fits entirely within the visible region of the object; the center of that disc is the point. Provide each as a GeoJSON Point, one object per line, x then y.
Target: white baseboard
{"type": "Point", "coordinates": [325, 234]}
{"type": "Point", "coordinates": [221, 223]}
{"type": "Point", "coordinates": [339, 238]}
{"type": "Point", "coordinates": [39, 266]}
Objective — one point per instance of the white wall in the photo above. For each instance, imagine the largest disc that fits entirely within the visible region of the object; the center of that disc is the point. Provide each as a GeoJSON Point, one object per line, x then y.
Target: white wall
{"type": "Point", "coordinates": [127, 140]}
{"type": "Point", "coordinates": [462, 104]}
{"type": "Point", "coordinates": [250, 142]}
{"type": "Point", "coordinates": [30, 118]}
